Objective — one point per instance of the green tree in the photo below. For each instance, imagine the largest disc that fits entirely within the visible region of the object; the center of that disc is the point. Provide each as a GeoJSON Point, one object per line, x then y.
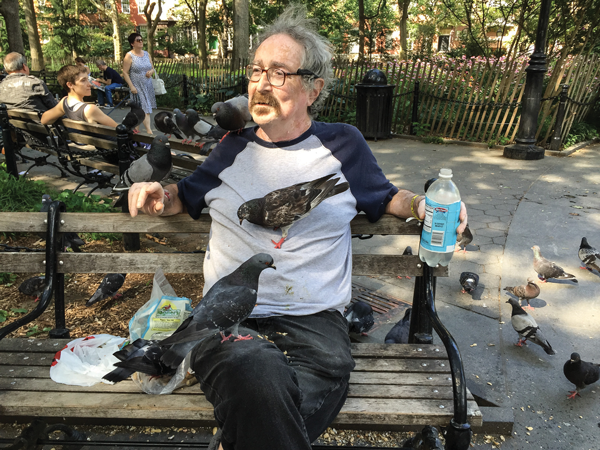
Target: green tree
{"type": "Point", "coordinates": [10, 11]}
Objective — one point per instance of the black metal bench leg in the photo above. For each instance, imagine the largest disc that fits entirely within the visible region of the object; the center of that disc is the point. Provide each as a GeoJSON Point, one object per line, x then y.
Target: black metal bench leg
{"type": "Point", "coordinates": [420, 331]}
{"type": "Point", "coordinates": [458, 433]}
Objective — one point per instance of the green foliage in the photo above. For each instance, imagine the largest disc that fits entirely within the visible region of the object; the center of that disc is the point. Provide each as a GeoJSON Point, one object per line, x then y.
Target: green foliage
{"type": "Point", "coordinates": [580, 132]}
{"type": "Point", "coordinates": [421, 129]}
{"type": "Point", "coordinates": [12, 313]}
{"type": "Point", "coordinates": [35, 330]}
{"type": "Point", "coordinates": [7, 278]}
{"type": "Point", "coordinates": [20, 194]}
{"type": "Point", "coordinates": [79, 202]}
{"type": "Point", "coordinates": [433, 140]}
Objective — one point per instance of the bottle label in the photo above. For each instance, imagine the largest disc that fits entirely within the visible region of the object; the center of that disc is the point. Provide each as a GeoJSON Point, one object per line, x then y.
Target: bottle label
{"type": "Point", "coordinates": [439, 227]}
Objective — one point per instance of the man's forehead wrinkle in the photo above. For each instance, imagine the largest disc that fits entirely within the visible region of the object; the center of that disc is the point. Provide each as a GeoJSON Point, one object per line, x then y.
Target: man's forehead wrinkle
{"type": "Point", "coordinates": [277, 64]}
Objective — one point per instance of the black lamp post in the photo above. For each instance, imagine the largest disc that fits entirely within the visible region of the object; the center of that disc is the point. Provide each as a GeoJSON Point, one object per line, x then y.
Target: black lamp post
{"type": "Point", "coordinates": [525, 147]}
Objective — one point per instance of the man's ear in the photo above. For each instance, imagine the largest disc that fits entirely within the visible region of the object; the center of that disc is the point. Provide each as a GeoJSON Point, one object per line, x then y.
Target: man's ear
{"type": "Point", "coordinates": [314, 93]}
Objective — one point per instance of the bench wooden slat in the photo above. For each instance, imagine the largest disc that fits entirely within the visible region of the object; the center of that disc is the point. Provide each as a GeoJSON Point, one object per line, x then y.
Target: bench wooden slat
{"type": "Point", "coordinates": [407, 378]}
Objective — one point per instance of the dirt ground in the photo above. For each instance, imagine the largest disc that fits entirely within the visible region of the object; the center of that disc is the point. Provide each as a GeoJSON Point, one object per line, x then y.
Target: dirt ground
{"type": "Point", "coordinates": [109, 316]}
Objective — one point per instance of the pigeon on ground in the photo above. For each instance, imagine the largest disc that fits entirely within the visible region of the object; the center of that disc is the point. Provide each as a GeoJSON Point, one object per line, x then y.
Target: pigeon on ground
{"type": "Point", "coordinates": [73, 241]}
{"type": "Point", "coordinates": [139, 356]}
{"type": "Point", "coordinates": [283, 207]}
{"type": "Point", "coordinates": [400, 332]}
{"type": "Point", "coordinates": [134, 117]}
{"type": "Point", "coordinates": [463, 239]}
{"type": "Point", "coordinates": [580, 373]}
{"type": "Point", "coordinates": [227, 303]}
{"type": "Point", "coordinates": [232, 114]}
{"type": "Point", "coordinates": [155, 165]}
{"type": "Point", "coordinates": [427, 439]}
{"type": "Point", "coordinates": [33, 287]}
{"type": "Point", "coordinates": [165, 123]}
{"type": "Point", "coordinates": [407, 251]}
{"type": "Point", "coordinates": [525, 292]}
{"type": "Point", "coordinates": [589, 256]}
{"type": "Point", "coordinates": [428, 183]}
{"type": "Point", "coordinates": [109, 286]}
{"type": "Point", "coordinates": [527, 328]}
{"type": "Point", "coordinates": [547, 269]}
{"type": "Point", "coordinates": [469, 282]}
{"type": "Point", "coordinates": [360, 317]}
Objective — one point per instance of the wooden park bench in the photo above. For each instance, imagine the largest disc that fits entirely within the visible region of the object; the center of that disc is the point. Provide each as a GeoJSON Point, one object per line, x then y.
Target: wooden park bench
{"type": "Point", "coordinates": [393, 387]}
{"type": "Point", "coordinates": [22, 127]}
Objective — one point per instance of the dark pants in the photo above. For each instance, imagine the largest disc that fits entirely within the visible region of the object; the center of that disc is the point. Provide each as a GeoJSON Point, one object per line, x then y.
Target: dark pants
{"type": "Point", "coordinates": [265, 399]}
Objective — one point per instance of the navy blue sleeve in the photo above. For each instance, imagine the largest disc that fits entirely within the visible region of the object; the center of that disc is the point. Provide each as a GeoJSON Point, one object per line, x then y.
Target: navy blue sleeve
{"type": "Point", "coordinates": [112, 75]}
{"type": "Point", "coordinates": [368, 184]}
{"type": "Point", "coordinates": [193, 189]}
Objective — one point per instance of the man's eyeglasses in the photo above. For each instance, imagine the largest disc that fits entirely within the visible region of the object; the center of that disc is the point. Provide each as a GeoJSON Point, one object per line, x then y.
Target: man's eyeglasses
{"type": "Point", "coordinates": [275, 76]}
{"type": "Point", "coordinates": [139, 40]}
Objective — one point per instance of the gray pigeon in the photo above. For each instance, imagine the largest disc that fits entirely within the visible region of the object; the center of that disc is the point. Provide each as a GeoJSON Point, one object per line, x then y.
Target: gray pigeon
{"type": "Point", "coordinates": [227, 303]}
{"type": "Point", "coordinates": [283, 207]}
{"type": "Point", "coordinates": [580, 373]}
{"type": "Point", "coordinates": [400, 332]}
{"type": "Point", "coordinates": [232, 114]}
{"type": "Point", "coordinates": [165, 123]}
{"type": "Point", "coordinates": [589, 256]}
{"type": "Point", "coordinates": [469, 282]}
{"type": "Point", "coordinates": [199, 126]}
{"type": "Point", "coordinates": [139, 356]}
{"type": "Point", "coordinates": [360, 317]}
{"type": "Point", "coordinates": [527, 328]}
{"type": "Point", "coordinates": [463, 239]}
{"type": "Point", "coordinates": [155, 165]}
{"type": "Point", "coordinates": [547, 269]}
{"type": "Point", "coordinates": [426, 439]}
{"type": "Point", "coordinates": [134, 117]}
{"type": "Point", "coordinates": [33, 287]}
{"type": "Point", "coordinates": [109, 286]}
{"type": "Point", "coordinates": [525, 292]}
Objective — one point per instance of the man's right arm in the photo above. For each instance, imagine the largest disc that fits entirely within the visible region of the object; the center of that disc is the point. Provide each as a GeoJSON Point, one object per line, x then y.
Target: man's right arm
{"type": "Point", "coordinates": [154, 200]}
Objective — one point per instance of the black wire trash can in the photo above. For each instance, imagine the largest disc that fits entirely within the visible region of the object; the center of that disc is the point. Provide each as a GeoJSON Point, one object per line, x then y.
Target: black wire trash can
{"type": "Point", "coordinates": [374, 106]}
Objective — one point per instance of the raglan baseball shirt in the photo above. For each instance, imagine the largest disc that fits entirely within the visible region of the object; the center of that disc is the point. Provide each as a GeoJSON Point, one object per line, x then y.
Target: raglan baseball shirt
{"type": "Point", "coordinates": [314, 264]}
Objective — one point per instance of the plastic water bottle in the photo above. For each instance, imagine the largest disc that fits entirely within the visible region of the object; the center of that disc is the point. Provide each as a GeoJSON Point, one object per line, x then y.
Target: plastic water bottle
{"type": "Point", "coordinates": [442, 207]}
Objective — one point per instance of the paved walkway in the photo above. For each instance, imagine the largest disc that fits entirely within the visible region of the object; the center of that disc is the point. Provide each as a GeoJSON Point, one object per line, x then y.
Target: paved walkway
{"type": "Point", "coordinates": [512, 206]}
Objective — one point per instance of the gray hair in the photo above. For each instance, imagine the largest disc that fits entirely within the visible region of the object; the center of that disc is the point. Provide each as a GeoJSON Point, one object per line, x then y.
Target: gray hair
{"type": "Point", "coordinates": [100, 62]}
{"type": "Point", "coordinates": [318, 51]}
{"type": "Point", "coordinates": [14, 61]}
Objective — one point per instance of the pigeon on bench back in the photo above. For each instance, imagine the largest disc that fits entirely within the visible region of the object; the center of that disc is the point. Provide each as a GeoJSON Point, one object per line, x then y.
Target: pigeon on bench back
{"type": "Point", "coordinates": [580, 373]}
{"type": "Point", "coordinates": [527, 328]}
{"type": "Point", "coordinates": [283, 207]}
{"type": "Point", "coordinates": [134, 117]}
{"type": "Point", "coordinates": [191, 125]}
{"type": "Point", "coordinates": [547, 269]}
{"type": "Point", "coordinates": [525, 292]}
{"type": "Point", "coordinates": [589, 256]}
{"type": "Point", "coordinates": [155, 165]}
{"type": "Point", "coordinates": [165, 123]}
{"type": "Point", "coordinates": [109, 287]}
{"type": "Point", "coordinates": [33, 287]}
{"type": "Point", "coordinates": [232, 114]}
{"type": "Point", "coordinates": [227, 303]}
{"type": "Point", "coordinates": [360, 317]}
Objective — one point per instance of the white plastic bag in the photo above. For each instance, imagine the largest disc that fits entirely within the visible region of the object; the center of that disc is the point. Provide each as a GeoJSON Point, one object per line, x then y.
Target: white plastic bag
{"type": "Point", "coordinates": [84, 361]}
{"type": "Point", "coordinates": [162, 314]}
{"type": "Point", "coordinates": [158, 85]}
{"type": "Point", "coordinates": [165, 385]}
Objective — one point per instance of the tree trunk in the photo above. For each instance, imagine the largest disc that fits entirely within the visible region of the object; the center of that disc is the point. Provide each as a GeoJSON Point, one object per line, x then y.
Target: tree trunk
{"type": "Point", "coordinates": [151, 25]}
{"type": "Point", "coordinates": [241, 31]}
{"type": "Point", "coordinates": [361, 29]}
{"type": "Point", "coordinates": [37, 57]}
{"type": "Point", "coordinates": [403, 8]}
{"type": "Point", "coordinates": [201, 31]}
{"type": "Point", "coordinates": [113, 14]}
{"type": "Point", "coordinates": [10, 10]}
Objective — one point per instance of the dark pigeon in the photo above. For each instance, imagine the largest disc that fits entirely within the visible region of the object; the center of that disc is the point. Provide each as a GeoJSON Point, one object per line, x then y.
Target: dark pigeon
{"type": "Point", "coordinates": [463, 239]}
{"type": "Point", "coordinates": [233, 114]}
{"type": "Point", "coordinates": [589, 256]}
{"type": "Point", "coordinates": [139, 356]}
{"type": "Point", "coordinates": [165, 123]}
{"type": "Point", "coordinates": [469, 282]}
{"type": "Point", "coordinates": [134, 117]}
{"type": "Point", "coordinates": [547, 269]}
{"type": "Point", "coordinates": [33, 287]}
{"type": "Point", "coordinates": [426, 439]}
{"type": "Point", "coordinates": [72, 240]}
{"type": "Point", "coordinates": [527, 328]}
{"type": "Point", "coordinates": [580, 373]}
{"type": "Point", "coordinates": [109, 287]}
{"type": "Point", "coordinates": [283, 207]}
{"type": "Point", "coordinates": [155, 165]}
{"type": "Point", "coordinates": [199, 126]}
{"type": "Point", "coordinates": [360, 317]}
{"type": "Point", "coordinates": [217, 133]}
{"type": "Point", "coordinates": [428, 183]}
{"type": "Point", "coordinates": [525, 292]}
{"type": "Point", "coordinates": [227, 303]}
{"type": "Point", "coordinates": [407, 252]}
{"type": "Point", "coordinates": [401, 331]}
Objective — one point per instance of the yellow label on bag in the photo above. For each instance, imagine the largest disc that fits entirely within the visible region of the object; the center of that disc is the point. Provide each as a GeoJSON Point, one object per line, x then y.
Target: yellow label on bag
{"type": "Point", "coordinates": [167, 317]}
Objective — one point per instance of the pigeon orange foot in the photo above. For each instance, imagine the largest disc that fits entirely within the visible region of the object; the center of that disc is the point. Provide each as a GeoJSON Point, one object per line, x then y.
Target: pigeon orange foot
{"type": "Point", "coordinates": [573, 394]}
{"type": "Point", "coordinates": [243, 338]}
{"type": "Point", "coordinates": [224, 337]}
{"type": "Point", "coordinates": [521, 343]}
{"type": "Point", "coordinates": [278, 244]}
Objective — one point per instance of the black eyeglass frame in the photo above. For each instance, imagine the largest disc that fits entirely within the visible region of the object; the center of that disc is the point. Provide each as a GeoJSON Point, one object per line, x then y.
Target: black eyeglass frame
{"type": "Point", "coordinates": [299, 72]}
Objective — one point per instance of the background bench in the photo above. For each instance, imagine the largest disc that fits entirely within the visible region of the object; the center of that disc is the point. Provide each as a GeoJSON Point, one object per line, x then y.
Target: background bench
{"type": "Point", "coordinates": [394, 387]}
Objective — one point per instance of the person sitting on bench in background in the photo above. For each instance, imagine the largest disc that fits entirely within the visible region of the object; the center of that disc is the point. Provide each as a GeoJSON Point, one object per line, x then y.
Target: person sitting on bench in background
{"type": "Point", "coordinates": [74, 79]}
{"type": "Point", "coordinates": [111, 80]}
